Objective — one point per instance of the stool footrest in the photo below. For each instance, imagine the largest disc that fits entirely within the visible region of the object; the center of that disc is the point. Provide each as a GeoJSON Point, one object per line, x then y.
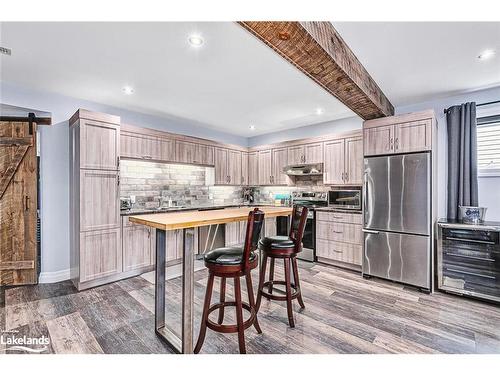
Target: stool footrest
{"type": "Point", "coordinates": [275, 297]}
{"type": "Point", "coordinates": [230, 328]}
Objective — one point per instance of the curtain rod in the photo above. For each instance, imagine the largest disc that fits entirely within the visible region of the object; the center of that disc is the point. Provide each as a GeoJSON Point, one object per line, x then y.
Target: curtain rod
{"type": "Point", "coordinates": [481, 104]}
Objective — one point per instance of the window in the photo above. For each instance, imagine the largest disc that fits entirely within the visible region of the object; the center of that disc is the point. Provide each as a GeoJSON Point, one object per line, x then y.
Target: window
{"type": "Point", "coordinates": [488, 145]}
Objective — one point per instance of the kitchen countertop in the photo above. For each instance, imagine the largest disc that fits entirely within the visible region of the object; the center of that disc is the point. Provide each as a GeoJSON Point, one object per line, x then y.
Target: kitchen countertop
{"type": "Point", "coordinates": [149, 211]}
{"type": "Point", "coordinates": [181, 220]}
{"type": "Point", "coordinates": [331, 209]}
{"type": "Point", "coordinates": [487, 225]}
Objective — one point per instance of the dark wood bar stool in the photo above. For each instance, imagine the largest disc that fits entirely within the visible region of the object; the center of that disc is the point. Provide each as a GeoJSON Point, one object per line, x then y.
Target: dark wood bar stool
{"type": "Point", "coordinates": [232, 262]}
{"type": "Point", "coordinates": [286, 248]}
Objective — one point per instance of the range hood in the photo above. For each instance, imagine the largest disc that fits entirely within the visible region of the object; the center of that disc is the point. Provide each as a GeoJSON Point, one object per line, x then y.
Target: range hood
{"type": "Point", "coordinates": [304, 169]}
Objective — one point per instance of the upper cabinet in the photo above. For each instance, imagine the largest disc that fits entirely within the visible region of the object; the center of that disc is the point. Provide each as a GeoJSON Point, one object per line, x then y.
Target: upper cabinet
{"type": "Point", "coordinates": [253, 168]}
{"type": "Point", "coordinates": [265, 167]}
{"type": "Point", "coordinates": [279, 162]}
{"type": "Point", "coordinates": [228, 168]}
{"type": "Point", "coordinates": [270, 166]}
{"type": "Point", "coordinates": [194, 153]}
{"type": "Point", "coordinates": [234, 167]}
{"type": "Point", "coordinates": [244, 168]}
{"type": "Point", "coordinates": [146, 147]}
{"type": "Point", "coordinates": [305, 154]}
{"type": "Point", "coordinates": [99, 145]}
{"type": "Point", "coordinates": [399, 134]}
{"type": "Point", "coordinates": [343, 160]}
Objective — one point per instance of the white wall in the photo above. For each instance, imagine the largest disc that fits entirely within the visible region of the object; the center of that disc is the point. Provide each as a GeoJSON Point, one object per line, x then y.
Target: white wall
{"type": "Point", "coordinates": [54, 163]}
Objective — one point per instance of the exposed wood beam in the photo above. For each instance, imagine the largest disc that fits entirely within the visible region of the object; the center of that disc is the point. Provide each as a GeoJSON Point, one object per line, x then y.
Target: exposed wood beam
{"type": "Point", "coordinates": [318, 50]}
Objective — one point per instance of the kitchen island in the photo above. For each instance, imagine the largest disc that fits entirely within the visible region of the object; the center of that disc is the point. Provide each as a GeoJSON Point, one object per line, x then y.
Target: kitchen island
{"type": "Point", "coordinates": [187, 221]}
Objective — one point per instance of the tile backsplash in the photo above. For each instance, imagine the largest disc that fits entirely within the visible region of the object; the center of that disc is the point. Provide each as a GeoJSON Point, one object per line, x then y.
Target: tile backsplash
{"type": "Point", "coordinates": [153, 183]}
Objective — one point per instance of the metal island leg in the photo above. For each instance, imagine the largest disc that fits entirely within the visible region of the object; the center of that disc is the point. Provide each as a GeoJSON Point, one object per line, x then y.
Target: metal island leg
{"type": "Point", "coordinates": [182, 344]}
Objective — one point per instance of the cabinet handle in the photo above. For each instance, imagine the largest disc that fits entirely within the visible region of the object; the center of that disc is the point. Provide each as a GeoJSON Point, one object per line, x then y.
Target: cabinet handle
{"type": "Point", "coordinates": [335, 231]}
{"type": "Point", "coordinates": [118, 180]}
{"type": "Point", "coordinates": [391, 143]}
{"type": "Point", "coordinates": [229, 178]}
{"type": "Point", "coordinates": [346, 177]}
{"type": "Point", "coordinates": [337, 251]}
{"type": "Point", "coordinates": [396, 143]}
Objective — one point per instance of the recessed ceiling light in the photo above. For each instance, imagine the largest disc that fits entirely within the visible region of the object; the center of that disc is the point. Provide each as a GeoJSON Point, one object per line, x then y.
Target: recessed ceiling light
{"type": "Point", "coordinates": [252, 127]}
{"type": "Point", "coordinates": [127, 90]}
{"type": "Point", "coordinates": [486, 54]}
{"type": "Point", "coordinates": [195, 40]}
{"type": "Point", "coordinates": [319, 111]}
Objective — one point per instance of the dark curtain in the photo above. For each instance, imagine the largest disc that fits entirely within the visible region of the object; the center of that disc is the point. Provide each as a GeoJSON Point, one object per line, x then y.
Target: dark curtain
{"type": "Point", "coordinates": [462, 157]}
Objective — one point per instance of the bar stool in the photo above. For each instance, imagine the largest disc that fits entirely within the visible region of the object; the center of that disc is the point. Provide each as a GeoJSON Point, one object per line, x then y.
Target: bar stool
{"type": "Point", "coordinates": [232, 262]}
{"type": "Point", "coordinates": [286, 248]}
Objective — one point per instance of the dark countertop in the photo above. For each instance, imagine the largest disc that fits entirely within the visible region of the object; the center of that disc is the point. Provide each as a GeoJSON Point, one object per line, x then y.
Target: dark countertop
{"type": "Point", "coordinates": [140, 211]}
{"type": "Point", "coordinates": [486, 225]}
{"type": "Point", "coordinates": [331, 209]}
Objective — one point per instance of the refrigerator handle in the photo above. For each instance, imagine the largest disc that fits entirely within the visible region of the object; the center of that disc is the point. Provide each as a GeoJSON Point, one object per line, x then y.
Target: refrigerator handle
{"type": "Point", "coordinates": [365, 195]}
{"type": "Point", "coordinates": [370, 231]}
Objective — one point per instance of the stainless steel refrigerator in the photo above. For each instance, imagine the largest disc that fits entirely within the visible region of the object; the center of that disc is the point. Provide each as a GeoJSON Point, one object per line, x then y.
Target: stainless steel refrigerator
{"type": "Point", "coordinates": [396, 218]}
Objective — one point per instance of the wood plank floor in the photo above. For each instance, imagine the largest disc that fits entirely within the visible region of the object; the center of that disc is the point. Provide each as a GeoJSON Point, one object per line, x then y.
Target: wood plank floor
{"type": "Point", "coordinates": [344, 314]}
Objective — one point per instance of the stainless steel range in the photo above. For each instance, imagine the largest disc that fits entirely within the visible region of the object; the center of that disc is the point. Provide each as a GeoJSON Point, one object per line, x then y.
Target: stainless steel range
{"type": "Point", "coordinates": [311, 200]}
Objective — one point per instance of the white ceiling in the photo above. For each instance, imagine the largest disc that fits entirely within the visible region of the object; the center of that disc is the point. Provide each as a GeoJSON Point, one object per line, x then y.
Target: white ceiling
{"type": "Point", "coordinates": [418, 61]}
{"type": "Point", "coordinates": [231, 81]}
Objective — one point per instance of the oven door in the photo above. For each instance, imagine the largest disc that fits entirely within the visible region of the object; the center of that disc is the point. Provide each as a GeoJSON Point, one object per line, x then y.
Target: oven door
{"type": "Point", "coordinates": [308, 240]}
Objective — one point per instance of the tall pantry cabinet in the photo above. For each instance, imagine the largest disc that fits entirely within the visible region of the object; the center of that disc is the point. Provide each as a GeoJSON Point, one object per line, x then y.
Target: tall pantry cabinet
{"type": "Point", "coordinates": [96, 253]}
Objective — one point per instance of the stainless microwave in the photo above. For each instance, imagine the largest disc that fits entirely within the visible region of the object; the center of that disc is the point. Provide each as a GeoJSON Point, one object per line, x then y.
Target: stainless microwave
{"type": "Point", "coordinates": [347, 199]}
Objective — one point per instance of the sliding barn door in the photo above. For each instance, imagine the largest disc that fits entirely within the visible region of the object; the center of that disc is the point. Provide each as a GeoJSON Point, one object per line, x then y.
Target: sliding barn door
{"type": "Point", "coordinates": [18, 203]}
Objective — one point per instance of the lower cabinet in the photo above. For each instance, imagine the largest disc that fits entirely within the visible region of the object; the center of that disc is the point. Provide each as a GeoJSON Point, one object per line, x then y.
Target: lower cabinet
{"type": "Point", "coordinates": [138, 245]}
{"type": "Point", "coordinates": [339, 239]}
{"type": "Point", "coordinates": [233, 233]}
{"type": "Point", "coordinates": [100, 254]}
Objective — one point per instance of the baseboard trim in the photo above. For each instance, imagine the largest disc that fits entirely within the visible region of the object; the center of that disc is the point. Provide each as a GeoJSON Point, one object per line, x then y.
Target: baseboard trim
{"type": "Point", "coordinates": [54, 277]}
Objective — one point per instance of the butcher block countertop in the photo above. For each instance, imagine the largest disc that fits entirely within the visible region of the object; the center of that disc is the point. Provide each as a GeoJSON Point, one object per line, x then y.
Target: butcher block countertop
{"type": "Point", "coordinates": [191, 219]}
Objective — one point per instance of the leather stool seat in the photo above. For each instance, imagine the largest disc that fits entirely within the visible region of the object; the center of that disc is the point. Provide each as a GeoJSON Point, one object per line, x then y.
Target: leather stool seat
{"type": "Point", "coordinates": [277, 242]}
{"type": "Point", "coordinates": [227, 256]}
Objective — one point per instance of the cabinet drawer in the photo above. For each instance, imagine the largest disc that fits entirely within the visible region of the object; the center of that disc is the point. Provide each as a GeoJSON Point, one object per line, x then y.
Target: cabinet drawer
{"type": "Point", "coordinates": [350, 233]}
{"type": "Point", "coordinates": [339, 251]}
{"type": "Point", "coordinates": [340, 217]}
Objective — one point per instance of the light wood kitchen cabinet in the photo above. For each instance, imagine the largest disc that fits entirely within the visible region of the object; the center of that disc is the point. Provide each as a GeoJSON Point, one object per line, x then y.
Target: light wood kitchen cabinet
{"type": "Point", "coordinates": [100, 254]}
{"type": "Point", "coordinates": [145, 147]}
{"type": "Point", "coordinates": [270, 228]}
{"type": "Point", "coordinates": [265, 167]}
{"type": "Point", "coordinates": [413, 136]}
{"type": "Point", "coordinates": [271, 164]}
{"type": "Point", "coordinates": [234, 167]}
{"type": "Point", "coordinates": [378, 141]}
{"type": "Point", "coordinates": [279, 161]}
{"type": "Point", "coordinates": [244, 168]}
{"type": "Point", "coordinates": [228, 167]}
{"type": "Point", "coordinates": [296, 155]}
{"type": "Point", "coordinates": [95, 227]}
{"type": "Point", "coordinates": [99, 145]}
{"type": "Point", "coordinates": [343, 161]}
{"type": "Point", "coordinates": [221, 171]}
{"type": "Point", "coordinates": [194, 153]}
{"type": "Point", "coordinates": [339, 239]}
{"type": "Point", "coordinates": [398, 134]}
{"type": "Point", "coordinates": [353, 162]}
{"type": "Point", "coordinates": [334, 162]}
{"type": "Point", "coordinates": [137, 246]}
{"type": "Point", "coordinates": [253, 168]}
{"type": "Point", "coordinates": [232, 234]}
{"type": "Point", "coordinates": [99, 199]}
{"type": "Point", "coordinates": [305, 154]}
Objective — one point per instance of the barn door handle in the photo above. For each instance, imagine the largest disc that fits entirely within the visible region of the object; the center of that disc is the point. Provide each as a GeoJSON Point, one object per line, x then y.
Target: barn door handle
{"type": "Point", "coordinates": [27, 203]}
